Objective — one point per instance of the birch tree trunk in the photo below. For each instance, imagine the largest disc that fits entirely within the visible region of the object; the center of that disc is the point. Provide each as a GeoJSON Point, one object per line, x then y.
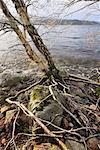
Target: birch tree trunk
{"type": "Point", "coordinates": [33, 56]}
{"type": "Point", "coordinates": [22, 11]}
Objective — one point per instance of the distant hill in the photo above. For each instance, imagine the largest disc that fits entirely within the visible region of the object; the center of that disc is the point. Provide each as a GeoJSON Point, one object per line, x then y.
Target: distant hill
{"type": "Point", "coordinates": [78, 22]}
{"type": "Point", "coordinates": [51, 21]}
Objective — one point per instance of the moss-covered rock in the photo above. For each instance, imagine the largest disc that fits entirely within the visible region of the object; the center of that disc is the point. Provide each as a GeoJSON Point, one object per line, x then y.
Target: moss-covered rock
{"type": "Point", "coordinates": [98, 91]}
{"type": "Point", "coordinates": [36, 97]}
{"type": "Point", "coordinates": [48, 109]}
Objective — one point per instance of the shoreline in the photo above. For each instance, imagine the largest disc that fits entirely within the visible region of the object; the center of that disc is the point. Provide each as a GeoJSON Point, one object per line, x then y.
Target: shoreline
{"type": "Point", "coordinates": [17, 56]}
{"type": "Point", "coordinates": [21, 63]}
{"type": "Point", "coordinates": [22, 67]}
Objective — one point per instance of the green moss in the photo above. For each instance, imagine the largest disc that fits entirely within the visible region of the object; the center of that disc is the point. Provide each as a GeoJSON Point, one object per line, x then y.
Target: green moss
{"type": "Point", "coordinates": [37, 94]}
{"type": "Point", "coordinates": [63, 73]}
{"type": "Point", "coordinates": [53, 147]}
{"type": "Point", "coordinates": [98, 91]}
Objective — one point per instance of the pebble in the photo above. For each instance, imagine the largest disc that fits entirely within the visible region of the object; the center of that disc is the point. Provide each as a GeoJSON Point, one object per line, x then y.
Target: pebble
{"type": "Point", "coordinates": [3, 141]}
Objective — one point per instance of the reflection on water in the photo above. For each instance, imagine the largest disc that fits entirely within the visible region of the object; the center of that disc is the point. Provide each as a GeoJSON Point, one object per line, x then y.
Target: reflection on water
{"type": "Point", "coordinates": [62, 40]}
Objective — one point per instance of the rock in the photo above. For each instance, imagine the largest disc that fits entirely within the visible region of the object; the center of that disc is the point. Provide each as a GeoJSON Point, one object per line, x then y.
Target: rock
{"type": "Point", "coordinates": [52, 113]}
{"type": "Point", "coordinates": [71, 125]}
{"type": "Point", "coordinates": [7, 78]}
{"type": "Point", "coordinates": [80, 93]}
{"type": "Point", "coordinates": [12, 81]}
{"type": "Point", "coordinates": [10, 77]}
{"type": "Point", "coordinates": [93, 144]}
{"type": "Point", "coordinates": [49, 109]}
{"type": "Point", "coordinates": [73, 145]}
{"type": "Point", "coordinates": [36, 97]}
{"type": "Point", "coordinates": [66, 123]}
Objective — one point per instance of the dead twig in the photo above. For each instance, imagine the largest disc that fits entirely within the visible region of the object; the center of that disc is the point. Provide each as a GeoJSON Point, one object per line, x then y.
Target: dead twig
{"type": "Point", "coordinates": [51, 91]}
{"type": "Point", "coordinates": [92, 136]}
{"type": "Point", "coordinates": [63, 131]}
{"type": "Point", "coordinates": [28, 88]}
{"type": "Point", "coordinates": [13, 132]}
{"type": "Point", "coordinates": [75, 78]}
{"type": "Point", "coordinates": [97, 103]}
{"type": "Point", "coordinates": [29, 113]}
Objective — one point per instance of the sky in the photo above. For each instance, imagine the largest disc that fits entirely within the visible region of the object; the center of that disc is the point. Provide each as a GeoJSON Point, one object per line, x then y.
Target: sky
{"type": "Point", "coordinates": [58, 9]}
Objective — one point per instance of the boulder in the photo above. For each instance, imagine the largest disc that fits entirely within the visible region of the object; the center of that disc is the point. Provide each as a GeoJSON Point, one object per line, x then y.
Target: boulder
{"type": "Point", "coordinates": [47, 109]}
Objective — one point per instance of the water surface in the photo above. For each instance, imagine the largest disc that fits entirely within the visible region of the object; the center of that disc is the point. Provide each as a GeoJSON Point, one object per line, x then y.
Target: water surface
{"type": "Point", "coordinates": [77, 41]}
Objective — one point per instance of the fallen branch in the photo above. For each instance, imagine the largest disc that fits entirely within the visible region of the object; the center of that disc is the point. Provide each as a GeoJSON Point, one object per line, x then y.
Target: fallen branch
{"type": "Point", "coordinates": [13, 132]}
{"type": "Point", "coordinates": [30, 114]}
{"type": "Point", "coordinates": [71, 132]}
{"type": "Point", "coordinates": [51, 91]}
{"type": "Point", "coordinates": [92, 136]}
{"type": "Point", "coordinates": [75, 78]}
{"type": "Point", "coordinates": [28, 88]}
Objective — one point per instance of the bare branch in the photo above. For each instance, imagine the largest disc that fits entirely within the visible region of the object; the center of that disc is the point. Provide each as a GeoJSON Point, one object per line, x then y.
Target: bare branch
{"type": "Point", "coordinates": [33, 56]}
{"type": "Point", "coordinates": [29, 113]}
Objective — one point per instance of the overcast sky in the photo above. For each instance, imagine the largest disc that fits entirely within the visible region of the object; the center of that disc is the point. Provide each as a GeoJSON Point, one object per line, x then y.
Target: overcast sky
{"type": "Point", "coordinates": [57, 9]}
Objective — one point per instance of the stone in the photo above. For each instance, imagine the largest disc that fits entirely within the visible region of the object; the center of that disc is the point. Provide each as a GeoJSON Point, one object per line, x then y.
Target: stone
{"type": "Point", "coordinates": [73, 145]}
{"type": "Point", "coordinates": [36, 97]}
{"type": "Point", "coordinates": [52, 113]}
{"type": "Point", "coordinates": [49, 109]}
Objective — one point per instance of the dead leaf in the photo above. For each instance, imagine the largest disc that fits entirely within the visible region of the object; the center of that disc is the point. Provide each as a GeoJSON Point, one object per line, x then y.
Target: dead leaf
{"type": "Point", "coordinates": [9, 115]}
{"type": "Point", "coordinates": [98, 118]}
{"type": "Point", "coordinates": [93, 144]}
{"type": "Point", "coordinates": [46, 146]}
{"type": "Point", "coordinates": [3, 141]}
{"type": "Point", "coordinates": [5, 108]}
{"type": "Point", "coordinates": [93, 107]}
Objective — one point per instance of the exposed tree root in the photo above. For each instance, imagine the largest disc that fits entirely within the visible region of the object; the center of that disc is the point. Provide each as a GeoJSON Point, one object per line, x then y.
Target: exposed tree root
{"type": "Point", "coordinates": [30, 114]}
{"type": "Point", "coordinates": [78, 114]}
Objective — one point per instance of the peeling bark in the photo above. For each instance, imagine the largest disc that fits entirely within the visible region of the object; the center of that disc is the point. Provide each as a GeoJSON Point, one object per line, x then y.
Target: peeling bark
{"type": "Point", "coordinates": [32, 55]}
{"type": "Point", "coordinates": [22, 11]}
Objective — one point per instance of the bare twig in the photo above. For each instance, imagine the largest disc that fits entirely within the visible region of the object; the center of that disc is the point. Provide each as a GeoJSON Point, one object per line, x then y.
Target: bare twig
{"type": "Point", "coordinates": [12, 139]}
{"type": "Point", "coordinates": [29, 113]}
{"type": "Point", "coordinates": [71, 132]}
{"type": "Point", "coordinates": [41, 102]}
{"type": "Point", "coordinates": [92, 136]}
{"type": "Point", "coordinates": [61, 130]}
{"type": "Point", "coordinates": [81, 79]}
{"type": "Point", "coordinates": [97, 103]}
{"type": "Point", "coordinates": [51, 91]}
{"type": "Point", "coordinates": [28, 88]}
